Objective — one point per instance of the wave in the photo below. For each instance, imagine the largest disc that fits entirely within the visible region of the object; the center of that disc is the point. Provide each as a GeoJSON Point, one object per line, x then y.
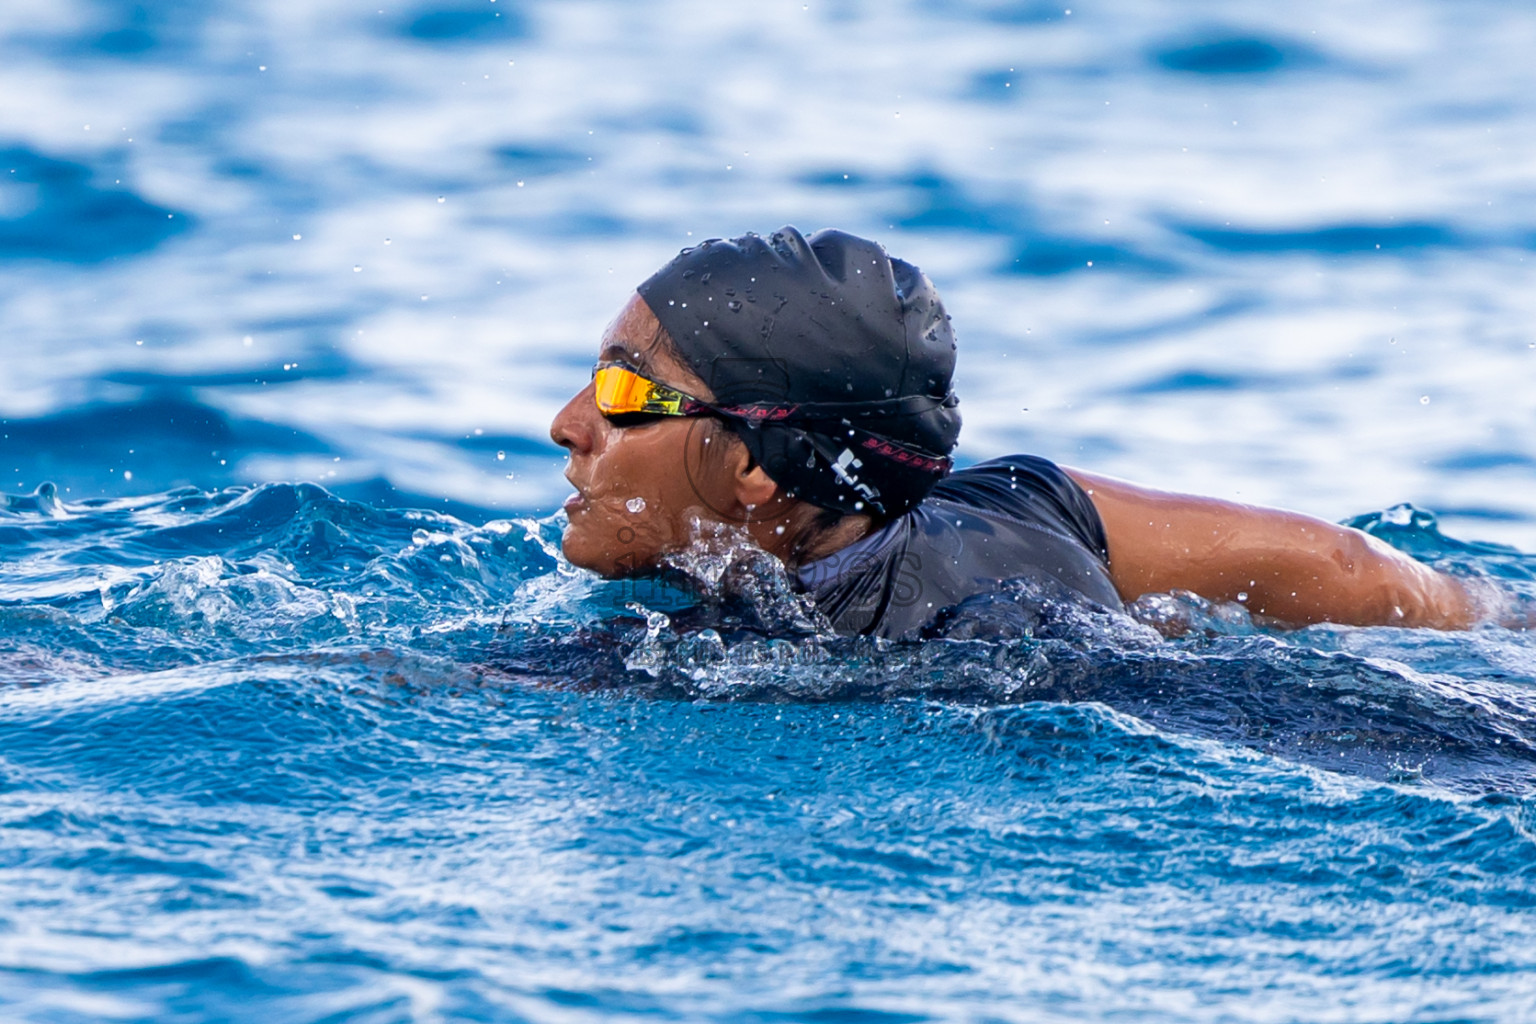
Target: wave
{"type": "Point", "coordinates": [190, 577]}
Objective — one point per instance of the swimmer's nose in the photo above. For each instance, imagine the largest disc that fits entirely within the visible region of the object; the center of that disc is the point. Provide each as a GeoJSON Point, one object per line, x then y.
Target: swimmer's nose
{"type": "Point", "coordinates": [573, 427]}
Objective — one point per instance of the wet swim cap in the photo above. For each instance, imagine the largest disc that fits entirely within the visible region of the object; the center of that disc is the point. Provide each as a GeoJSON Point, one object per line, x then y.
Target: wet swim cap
{"type": "Point", "coordinates": [851, 348]}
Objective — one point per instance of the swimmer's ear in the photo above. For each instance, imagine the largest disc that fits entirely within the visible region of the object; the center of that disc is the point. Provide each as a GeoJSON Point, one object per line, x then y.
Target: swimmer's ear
{"type": "Point", "coordinates": [753, 486]}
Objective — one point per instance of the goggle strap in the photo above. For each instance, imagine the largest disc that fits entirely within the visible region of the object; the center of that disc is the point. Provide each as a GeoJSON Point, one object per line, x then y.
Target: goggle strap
{"type": "Point", "coordinates": [626, 392]}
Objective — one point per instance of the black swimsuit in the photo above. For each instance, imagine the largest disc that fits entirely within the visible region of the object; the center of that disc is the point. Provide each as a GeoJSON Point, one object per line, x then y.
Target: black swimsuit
{"type": "Point", "coordinates": [1018, 518]}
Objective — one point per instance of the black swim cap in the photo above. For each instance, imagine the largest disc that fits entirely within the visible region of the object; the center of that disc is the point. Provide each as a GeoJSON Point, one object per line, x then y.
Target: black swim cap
{"type": "Point", "coordinates": [850, 349]}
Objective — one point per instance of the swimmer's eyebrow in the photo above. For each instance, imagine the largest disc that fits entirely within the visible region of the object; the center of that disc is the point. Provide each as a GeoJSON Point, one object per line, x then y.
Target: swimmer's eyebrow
{"type": "Point", "coordinates": [617, 353]}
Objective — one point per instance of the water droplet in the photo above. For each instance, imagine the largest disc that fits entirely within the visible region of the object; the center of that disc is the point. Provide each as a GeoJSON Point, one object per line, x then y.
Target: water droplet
{"type": "Point", "coordinates": [357, 268]}
{"type": "Point", "coordinates": [1423, 399]}
{"type": "Point", "coordinates": [501, 456]}
{"type": "Point", "coordinates": [635, 505]}
{"type": "Point", "coordinates": [297, 237]}
{"type": "Point", "coordinates": [442, 199]}
{"type": "Point", "coordinates": [733, 306]}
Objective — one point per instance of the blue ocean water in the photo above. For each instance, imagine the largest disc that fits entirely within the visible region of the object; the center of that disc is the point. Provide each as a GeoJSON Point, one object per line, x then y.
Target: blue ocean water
{"type": "Point", "coordinates": [302, 718]}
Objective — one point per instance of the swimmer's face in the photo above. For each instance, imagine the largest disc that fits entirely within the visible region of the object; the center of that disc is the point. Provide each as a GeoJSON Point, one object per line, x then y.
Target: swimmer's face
{"type": "Point", "coordinates": [640, 488]}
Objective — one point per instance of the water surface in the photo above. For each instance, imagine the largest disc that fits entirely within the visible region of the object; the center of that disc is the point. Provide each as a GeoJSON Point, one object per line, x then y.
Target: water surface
{"type": "Point", "coordinates": [303, 719]}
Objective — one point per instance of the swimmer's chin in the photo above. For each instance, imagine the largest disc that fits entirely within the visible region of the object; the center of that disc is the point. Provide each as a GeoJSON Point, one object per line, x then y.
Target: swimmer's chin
{"type": "Point", "coordinates": [600, 560]}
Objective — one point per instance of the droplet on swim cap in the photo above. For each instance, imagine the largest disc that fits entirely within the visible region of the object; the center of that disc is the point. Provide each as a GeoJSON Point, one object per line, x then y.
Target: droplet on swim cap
{"type": "Point", "coordinates": [831, 324]}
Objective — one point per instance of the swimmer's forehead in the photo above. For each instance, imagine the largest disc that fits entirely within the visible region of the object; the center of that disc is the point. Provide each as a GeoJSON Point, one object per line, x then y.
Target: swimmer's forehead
{"type": "Point", "coordinates": [634, 339]}
{"type": "Point", "coordinates": [631, 338]}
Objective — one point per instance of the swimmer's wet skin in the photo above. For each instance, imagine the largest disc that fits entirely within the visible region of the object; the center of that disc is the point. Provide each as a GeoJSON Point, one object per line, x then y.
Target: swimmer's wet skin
{"type": "Point", "coordinates": [798, 390]}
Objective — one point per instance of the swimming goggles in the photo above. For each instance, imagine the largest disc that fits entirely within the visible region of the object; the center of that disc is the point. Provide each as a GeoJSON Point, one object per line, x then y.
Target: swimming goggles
{"type": "Point", "coordinates": [621, 392]}
{"type": "Point", "coordinates": [626, 399]}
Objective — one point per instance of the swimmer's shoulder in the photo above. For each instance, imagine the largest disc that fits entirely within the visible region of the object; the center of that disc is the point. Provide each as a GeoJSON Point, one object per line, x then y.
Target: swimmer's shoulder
{"type": "Point", "coordinates": [1030, 488]}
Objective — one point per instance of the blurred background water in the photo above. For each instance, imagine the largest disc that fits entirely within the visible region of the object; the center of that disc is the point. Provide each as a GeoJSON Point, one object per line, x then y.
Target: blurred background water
{"type": "Point", "coordinates": [1223, 247]}
{"type": "Point", "coordinates": [371, 752]}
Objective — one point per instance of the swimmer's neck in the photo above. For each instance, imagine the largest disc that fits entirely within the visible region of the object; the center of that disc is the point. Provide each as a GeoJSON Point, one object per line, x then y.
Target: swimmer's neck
{"type": "Point", "coordinates": [796, 539]}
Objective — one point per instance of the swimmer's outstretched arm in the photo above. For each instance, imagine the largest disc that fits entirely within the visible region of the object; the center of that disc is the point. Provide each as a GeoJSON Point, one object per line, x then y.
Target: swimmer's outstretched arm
{"type": "Point", "coordinates": [1281, 564]}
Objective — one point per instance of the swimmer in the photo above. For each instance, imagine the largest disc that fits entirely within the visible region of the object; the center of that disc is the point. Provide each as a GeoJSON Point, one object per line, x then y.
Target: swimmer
{"type": "Point", "coordinates": [797, 390]}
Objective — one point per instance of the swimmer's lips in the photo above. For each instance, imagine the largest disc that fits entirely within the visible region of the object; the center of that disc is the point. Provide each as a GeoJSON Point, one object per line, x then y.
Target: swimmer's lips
{"type": "Point", "coordinates": [581, 500]}
{"type": "Point", "coordinates": [576, 502]}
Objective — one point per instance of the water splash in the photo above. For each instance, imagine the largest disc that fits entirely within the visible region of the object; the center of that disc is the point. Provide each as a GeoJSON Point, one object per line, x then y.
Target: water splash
{"type": "Point", "coordinates": [739, 585]}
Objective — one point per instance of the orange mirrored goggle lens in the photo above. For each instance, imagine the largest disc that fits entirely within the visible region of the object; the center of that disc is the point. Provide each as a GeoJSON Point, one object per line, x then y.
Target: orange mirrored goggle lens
{"type": "Point", "coordinates": [621, 391]}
